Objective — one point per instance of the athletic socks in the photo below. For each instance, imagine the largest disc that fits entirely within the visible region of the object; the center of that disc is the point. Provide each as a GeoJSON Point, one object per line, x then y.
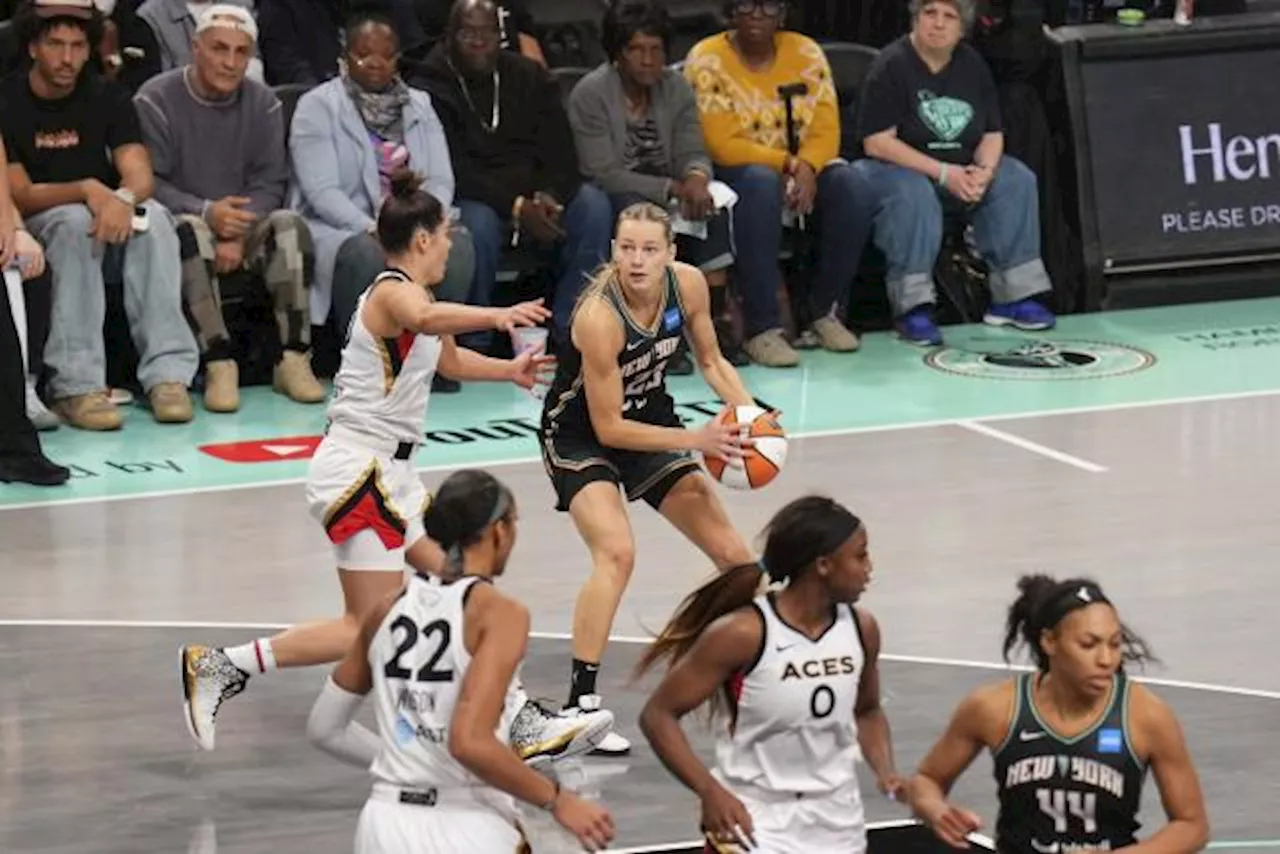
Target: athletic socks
{"type": "Point", "coordinates": [583, 680]}
{"type": "Point", "coordinates": [253, 658]}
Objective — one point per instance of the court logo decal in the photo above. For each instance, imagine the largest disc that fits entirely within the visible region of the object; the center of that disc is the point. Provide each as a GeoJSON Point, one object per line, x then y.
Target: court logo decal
{"type": "Point", "coordinates": [1002, 358]}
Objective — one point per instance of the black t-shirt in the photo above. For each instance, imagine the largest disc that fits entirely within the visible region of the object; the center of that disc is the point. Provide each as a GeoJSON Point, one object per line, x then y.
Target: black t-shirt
{"type": "Point", "coordinates": [513, 18]}
{"type": "Point", "coordinates": [72, 138]}
{"type": "Point", "coordinates": [943, 115]}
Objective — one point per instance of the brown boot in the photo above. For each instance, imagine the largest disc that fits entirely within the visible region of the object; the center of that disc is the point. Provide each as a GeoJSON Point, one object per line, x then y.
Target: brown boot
{"type": "Point", "coordinates": [771, 349]}
{"type": "Point", "coordinates": [170, 403]}
{"type": "Point", "coordinates": [92, 411]}
{"type": "Point", "coordinates": [834, 335]}
{"type": "Point", "coordinates": [293, 378]}
{"type": "Point", "coordinates": [222, 386]}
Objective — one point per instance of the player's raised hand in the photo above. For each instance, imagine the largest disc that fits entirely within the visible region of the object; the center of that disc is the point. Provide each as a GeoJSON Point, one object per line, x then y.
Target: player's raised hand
{"type": "Point", "coordinates": [590, 822]}
{"type": "Point", "coordinates": [725, 819]}
{"type": "Point", "coordinates": [953, 824]}
{"type": "Point", "coordinates": [531, 313]}
{"type": "Point", "coordinates": [531, 368]}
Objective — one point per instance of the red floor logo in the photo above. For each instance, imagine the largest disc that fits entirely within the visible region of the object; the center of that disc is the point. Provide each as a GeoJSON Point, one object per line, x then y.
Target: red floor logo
{"type": "Point", "coordinates": [264, 450]}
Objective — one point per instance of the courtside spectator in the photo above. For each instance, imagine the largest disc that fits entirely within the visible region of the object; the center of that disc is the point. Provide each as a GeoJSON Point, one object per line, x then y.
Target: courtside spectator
{"type": "Point", "coordinates": [515, 25]}
{"type": "Point", "coordinates": [930, 126]}
{"type": "Point", "coordinates": [174, 24]}
{"type": "Point", "coordinates": [301, 41]}
{"type": "Point", "coordinates": [736, 76]}
{"type": "Point", "coordinates": [82, 178]}
{"type": "Point", "coordinates": [21, 458]}
{"type": "Point", "coordinates": [217, 149]}
{"type": "Point", "coordinates": [635, 123]}
{"type": "Point", "coordinates": [349, 135]}
{"type": "Point", "coordinates": [26, 278]}
{"type": "Point", "coordinates": [21, 258]}
{"type": "Point", "coordinates": [514, 157]}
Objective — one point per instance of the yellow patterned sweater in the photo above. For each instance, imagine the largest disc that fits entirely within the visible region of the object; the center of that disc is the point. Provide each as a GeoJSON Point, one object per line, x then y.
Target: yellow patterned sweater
{"type": "Point", "coordinates": [744, 120]}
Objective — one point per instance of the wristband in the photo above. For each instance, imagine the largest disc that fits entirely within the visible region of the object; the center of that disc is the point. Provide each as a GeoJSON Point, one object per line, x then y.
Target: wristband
{"type": "Point", "coordinates": [942, 176]}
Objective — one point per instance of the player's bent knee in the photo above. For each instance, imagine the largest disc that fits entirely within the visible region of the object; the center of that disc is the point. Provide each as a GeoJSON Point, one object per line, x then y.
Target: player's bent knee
{"type": "Point", "coordinates": [613, 561]}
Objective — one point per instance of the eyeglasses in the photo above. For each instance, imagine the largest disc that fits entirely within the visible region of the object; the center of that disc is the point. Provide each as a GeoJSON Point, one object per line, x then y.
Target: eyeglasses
{"type": "Point", "coordinates": [768, 8]}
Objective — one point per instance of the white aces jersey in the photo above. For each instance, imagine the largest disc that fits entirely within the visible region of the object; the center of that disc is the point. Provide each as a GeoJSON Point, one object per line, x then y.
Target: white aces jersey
{"type": "Point", "coordinates": [792, 729]}
{"type": "Point", "coordinates": [419, 658]}
{"type": "Point", "coordinates": [383, 384]}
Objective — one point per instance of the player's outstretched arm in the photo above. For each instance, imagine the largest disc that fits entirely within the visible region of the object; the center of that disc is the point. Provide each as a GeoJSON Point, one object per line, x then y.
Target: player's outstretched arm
{"type": "Point", "coordinates": [409, 307]}
{"type": "Point", "coordinates": [465, 365]}
{"type": "Point", "coordinates": [947, 760]}
{"type": "Point", "coordinates": [874, 736]}
{"type": "Point", "coordinates": [1159, 738]}
{"type": "Point", "coordinates": [726, 647]}
{"type": "Point", "coordinates": [331, 726]}
{"type": "Point", "coordinates": [599, 338]}
{"type": "Point", "coordinates": [716, 370]}
{"type": "Point", "coordinates": [500, 627]}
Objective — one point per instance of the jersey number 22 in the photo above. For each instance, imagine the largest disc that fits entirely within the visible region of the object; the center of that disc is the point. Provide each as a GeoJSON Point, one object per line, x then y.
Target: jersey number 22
{"type": "Point", "coordinates": [437, 631]}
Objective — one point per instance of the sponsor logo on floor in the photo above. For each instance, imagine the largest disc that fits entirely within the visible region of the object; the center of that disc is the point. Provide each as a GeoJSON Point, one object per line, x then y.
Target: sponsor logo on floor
{"type": "Point", "coordinates": [1039, 359]}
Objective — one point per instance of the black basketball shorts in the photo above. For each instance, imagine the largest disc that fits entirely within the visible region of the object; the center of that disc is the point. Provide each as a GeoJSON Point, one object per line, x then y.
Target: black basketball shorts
{"type": "Point", "coordinates": [573, 462]}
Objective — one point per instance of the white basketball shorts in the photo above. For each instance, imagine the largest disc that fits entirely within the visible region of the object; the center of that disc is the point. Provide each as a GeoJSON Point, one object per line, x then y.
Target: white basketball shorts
{"type": "Point", "coordinates": [369, 503]}
{"type": "Point", "coordinates": [387, 827]}
{"type": "Point", "coordinates": [833, 824]}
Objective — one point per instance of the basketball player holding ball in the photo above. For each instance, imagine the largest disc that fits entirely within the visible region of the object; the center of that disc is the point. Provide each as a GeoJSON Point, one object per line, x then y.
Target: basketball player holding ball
{"type": "Point", "coordinates": [608, 422]}
{"type": "Point", "coordinates": [792, 680]}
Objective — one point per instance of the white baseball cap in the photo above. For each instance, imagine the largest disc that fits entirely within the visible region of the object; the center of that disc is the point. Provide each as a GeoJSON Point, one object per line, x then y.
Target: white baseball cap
{"type": "Point", "coordinates": [229, 16]}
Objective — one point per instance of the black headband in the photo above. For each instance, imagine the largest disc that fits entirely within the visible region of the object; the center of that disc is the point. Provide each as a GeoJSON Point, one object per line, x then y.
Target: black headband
{"type": "Point", "coordinates": [849, 525]}
{"type": "Point", "coordinates": [1068, 599]}
{"type": "Point", "coordinates": [453, 555]}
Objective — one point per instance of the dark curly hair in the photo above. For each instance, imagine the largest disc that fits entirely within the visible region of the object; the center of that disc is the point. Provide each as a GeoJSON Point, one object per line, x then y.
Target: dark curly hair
{"type": "Point", "coordinates": [624, 18]}
{"type": "Point", "coordinates": [29, 27]}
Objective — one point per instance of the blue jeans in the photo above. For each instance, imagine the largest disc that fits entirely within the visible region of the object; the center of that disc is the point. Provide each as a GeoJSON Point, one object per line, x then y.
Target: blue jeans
{"type": "Point", "coordinates": [908, 229]}
{"type": "Point", "coordinates": [75, 352]}
{"type": "Point", "coordinates": [843, 220]}
{"type": "Point", "coordinates": [588, 225]}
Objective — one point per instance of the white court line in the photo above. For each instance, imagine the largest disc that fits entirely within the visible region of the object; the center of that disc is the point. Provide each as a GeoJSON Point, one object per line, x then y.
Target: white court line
{"type": "Point", "coordinates": [810, 434]}
{"type": "Point", "coordinates": [1033, 447]}
{"type": "Point", "coordinates": [976, 838]}
{"type": "Point", "coordinates": [1207, 687]}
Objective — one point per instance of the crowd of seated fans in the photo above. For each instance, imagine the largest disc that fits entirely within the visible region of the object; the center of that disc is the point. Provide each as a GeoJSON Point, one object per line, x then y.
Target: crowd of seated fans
{"type": "Point", "coordinates": [168, 187]}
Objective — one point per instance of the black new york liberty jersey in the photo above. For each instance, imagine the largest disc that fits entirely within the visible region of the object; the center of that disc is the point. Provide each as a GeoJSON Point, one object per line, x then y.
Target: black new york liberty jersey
{"type": "Point", "coordinates": [1061, 795]}
{"type": "Point", "coordinates": [642, 362]}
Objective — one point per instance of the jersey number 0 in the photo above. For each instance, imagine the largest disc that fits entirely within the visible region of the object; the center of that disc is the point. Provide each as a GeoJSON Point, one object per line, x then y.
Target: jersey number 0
{"type": "Point", "coordinates": [438, 630]}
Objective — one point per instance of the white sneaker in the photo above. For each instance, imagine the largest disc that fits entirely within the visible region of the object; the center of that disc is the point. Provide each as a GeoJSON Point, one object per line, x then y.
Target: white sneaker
{"type": "Point", "coordinates": [208, 679]}
{"type": "Point", "coordinates": [540, 736]}
{"type": "Point", "coordinates": [612, 744]}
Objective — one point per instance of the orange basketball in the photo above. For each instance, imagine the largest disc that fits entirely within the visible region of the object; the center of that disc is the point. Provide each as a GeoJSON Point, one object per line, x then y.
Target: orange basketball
{"type": "Point", "coordinates": [763, 461]}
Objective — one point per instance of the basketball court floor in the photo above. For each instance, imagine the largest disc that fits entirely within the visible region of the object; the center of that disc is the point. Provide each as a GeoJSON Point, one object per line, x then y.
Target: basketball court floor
{"type": "Point", "coordinates": [1136, 447]}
